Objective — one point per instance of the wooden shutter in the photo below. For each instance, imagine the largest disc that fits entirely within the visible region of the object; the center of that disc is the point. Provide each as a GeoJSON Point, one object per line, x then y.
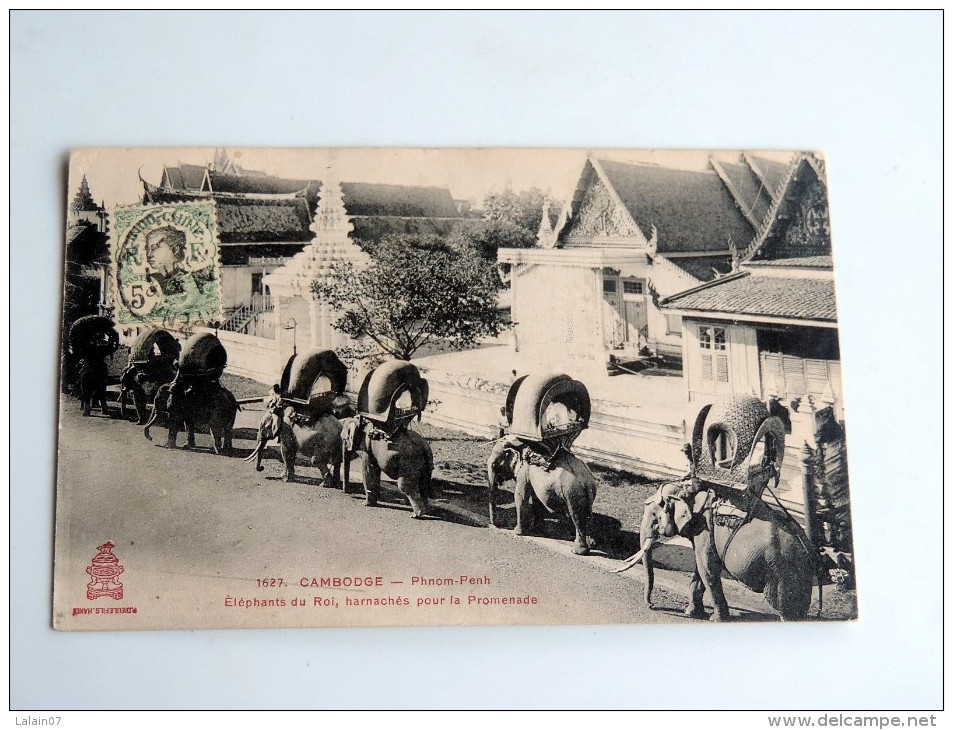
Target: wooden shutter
{"type": "Point", "coordinates": [721, 368]}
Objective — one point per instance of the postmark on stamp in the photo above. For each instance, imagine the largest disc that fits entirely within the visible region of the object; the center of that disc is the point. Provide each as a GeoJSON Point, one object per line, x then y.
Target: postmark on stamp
{"type": "Point", "coordinates": [165, 264]}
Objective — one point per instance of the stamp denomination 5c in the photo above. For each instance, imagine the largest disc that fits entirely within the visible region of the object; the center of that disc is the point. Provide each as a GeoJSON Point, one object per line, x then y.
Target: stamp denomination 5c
{"type": "Point", "coordinates": [165, 264]}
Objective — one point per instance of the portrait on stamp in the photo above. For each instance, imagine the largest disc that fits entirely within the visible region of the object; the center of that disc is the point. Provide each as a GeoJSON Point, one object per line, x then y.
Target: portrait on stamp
{"type": "Point", "coordinates": [166, 264]}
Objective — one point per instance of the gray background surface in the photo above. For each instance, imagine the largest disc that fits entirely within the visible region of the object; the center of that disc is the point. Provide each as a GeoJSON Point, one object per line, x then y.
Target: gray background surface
{"type": "Point", "coordinates": [864, 88]}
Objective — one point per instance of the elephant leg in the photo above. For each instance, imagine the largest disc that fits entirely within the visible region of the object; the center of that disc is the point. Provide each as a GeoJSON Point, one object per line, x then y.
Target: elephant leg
{"type": "Point", "coordinates": [317, 462]}
{"type": "Point", "coordinates": [523, 497]}
{"type": "Point", "coordinates": [409, 485]}
{"type": "Point", "coordinates": [227, 438]}
{"type": "Point", "coordinates": [139, 401]}
{"type": "Point", "coordinates": [289, 452]}
{"type": "Point", "coordinates": [173, 432]}
{"type": "Point", "coordinates": [709, 569]}
{"type": "Point", "coordinates": [335, 470]}
{"type": "Point", "coordinates": [789, 593]}
{"type": "Point", "coordinates": [649, 573]}
{"type": "Point", "coordinates": [580, 512]}
{"type": "Point", "coordinates": [696, 609]}
{"type": "Point", "coordinates": [345, 467]}
{"type": "Point", "coordinates": [372, 480]}
{"type": "Point", "coordinates": [190, 434]}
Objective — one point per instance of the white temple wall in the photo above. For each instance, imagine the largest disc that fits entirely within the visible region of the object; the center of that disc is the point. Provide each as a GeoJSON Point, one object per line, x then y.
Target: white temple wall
{"type": "Point", "coordinates": [666, 332]}
{"type": "Point", "coordinates": [641, 439]}
{"type": "Point", "coordinates": [234, 283]}
{"type": "Point", "coordinates": [292, 323]}
{"type": "Point", "coordinates": [559, 317]}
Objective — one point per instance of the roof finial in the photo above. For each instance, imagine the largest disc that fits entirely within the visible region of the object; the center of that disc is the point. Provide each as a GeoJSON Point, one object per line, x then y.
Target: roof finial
{"type": "Point", "coordinates": [84, 199]}
{"type": "Point", "coordinates": [652, 243]}
{"type": "Point", "coordinates": [545, 236]}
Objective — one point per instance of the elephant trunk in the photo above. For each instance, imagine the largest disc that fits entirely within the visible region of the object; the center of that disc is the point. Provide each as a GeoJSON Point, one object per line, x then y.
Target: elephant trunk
{"type": "Point", "coordinates": [345, 466]}
{"type": "Point", "coordinates": [349, 438]}
{"type": "Point", "coordinates": [152, 419]}
{"type": "Point", "coordinates": [645, 555]}
{"type": "Point", "coordinates": [495, 465]}
{"type": "Point", "coordinates": [648, 570]}
{"type": "Point", "coordinates": [257, 453]}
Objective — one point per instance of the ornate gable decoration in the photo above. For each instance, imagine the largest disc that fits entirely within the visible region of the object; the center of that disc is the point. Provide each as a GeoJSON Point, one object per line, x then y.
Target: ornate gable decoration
{"type": "Point", "coordinates": [798, 224]}
{"type": "Point", "coordinates": [601, 216]}
{"type": "Point", "coordinates": [810, 232]}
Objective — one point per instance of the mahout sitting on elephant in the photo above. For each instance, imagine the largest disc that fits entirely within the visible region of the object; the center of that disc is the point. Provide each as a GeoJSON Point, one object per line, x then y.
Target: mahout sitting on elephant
{"type": "Point", "coordinates": [153, 361]}
{"type": "Point", "coordinates": [196, 400]}
{"type": "Point", "coordinates": [545, 414]}
{"type": "Point", "coordinates": [736, 450]}
{"type": "Point", "coordinates": [91, 340]}
{"type": "Point", "coordinates": [391, 396]}
{"type": "Point", "coordinates": [303, 414]}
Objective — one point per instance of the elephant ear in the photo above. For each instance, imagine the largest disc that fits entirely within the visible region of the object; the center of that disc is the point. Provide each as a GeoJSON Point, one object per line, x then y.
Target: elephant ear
{"type": "Point", "coordinates": [688, 515]}
{"type": "Point", "coordinates": [682, 516]}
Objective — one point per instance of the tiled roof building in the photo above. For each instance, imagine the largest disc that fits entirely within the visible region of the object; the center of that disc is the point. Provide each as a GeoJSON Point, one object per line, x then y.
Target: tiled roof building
{"type": "Point", "coordinates": [632, 233]}
{"type": "Point", "coordinates": [264, 221]}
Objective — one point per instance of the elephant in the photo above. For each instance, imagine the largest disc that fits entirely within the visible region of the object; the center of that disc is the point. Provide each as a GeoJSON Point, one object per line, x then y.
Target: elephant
{"type": "Point", "coordinates": [762, 549]}
{"type": "Point", "coordinates": [93, 377]}
{"type": "Point", "coordinates": [152, 363]}
{"type": "Point", "coordinates": [564, 484]}
{"type": "Point", "coordinates": [303, 412]}
{"type": "Point", "coordinates": [403, 455]}
{"type": "Point", "coordinates": [390, 397]}
{"type": "Point", "coordinates": [199, 405]}
{"type": "Point", "coordinates": [91, 340]}
{"type": "Point", "coordinates": [319, 441]}
{"type": "Point", "coordinates": [656, 522]}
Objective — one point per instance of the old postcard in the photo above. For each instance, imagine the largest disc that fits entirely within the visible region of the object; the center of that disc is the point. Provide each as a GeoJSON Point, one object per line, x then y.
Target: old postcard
{"type": "Point", "coordinates": [386, 387]}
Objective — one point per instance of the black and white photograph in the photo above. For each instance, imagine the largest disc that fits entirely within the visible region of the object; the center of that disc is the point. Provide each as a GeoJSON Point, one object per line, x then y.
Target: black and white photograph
{"type": "Point", "coordinates": [338, 382]}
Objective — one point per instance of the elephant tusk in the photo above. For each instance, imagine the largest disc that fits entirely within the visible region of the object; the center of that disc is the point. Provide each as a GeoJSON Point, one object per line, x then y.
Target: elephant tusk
{"type": "Point", "coordinates": [630, 561]}
{"type": "Point", "coordinates": [253, 454]}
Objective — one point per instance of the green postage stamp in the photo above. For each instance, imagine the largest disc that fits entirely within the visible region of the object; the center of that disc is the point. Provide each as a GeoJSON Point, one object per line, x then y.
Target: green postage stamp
{"type": "Point", "coordinates": [165, 264]}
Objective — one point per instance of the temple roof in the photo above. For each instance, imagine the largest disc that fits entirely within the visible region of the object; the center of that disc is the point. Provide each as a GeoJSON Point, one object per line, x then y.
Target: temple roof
{"type": "Point", "coordinates": [255, 221]}
{"type": "Point", "coordinates": [810, 262]}
{"type": "Point", "coordinates": [691, 210]}
{"type": "Point", "coordinates": [183, 177]}
{"type": "Point", "coordinates": [84, 199]}
{"type": "Point", "coordinates": [259, 184]}
{"type": "Point", "coordinates": [86, 244]}
{"type": "Point", "coordinates": [265, 209]}
{"type": "Point", "coordinates": [749, 190]}
{"type": "Point", "coordinates": [703, 268]}
{"type": "Point", "coordinates": [406, 201]}
{"type": "Point", "coordinates": [798, 224]}
{"type": "Point", "coordinates": [771, 171]}
{"type": "Point", "coordinates": [249, 220]}
{"type": "Point", "coordinates": [374, 228]}
{"type": "Point", "coordinates": [746, 293]}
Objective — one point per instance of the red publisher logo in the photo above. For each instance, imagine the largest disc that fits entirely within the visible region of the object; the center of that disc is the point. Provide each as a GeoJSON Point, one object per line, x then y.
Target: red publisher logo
{"type": "Point", "coordinates": [104, 574]}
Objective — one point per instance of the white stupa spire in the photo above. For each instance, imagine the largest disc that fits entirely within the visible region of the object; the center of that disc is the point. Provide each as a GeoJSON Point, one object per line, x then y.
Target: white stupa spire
{"type": "Point", "coordinates": [331, 227]}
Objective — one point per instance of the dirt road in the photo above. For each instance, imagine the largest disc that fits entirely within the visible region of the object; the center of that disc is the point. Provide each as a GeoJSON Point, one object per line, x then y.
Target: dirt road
{"type": "Point", "coordinates": [205, 541]}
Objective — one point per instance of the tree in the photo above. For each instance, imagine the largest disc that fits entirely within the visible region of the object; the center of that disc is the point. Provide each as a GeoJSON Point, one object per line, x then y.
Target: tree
{"type": "Point", "coordinates": [417, 291]}
{"type": "Point", "coordinates": [523, 209]}
{"type": "Point", "coordinates": [485, 237]}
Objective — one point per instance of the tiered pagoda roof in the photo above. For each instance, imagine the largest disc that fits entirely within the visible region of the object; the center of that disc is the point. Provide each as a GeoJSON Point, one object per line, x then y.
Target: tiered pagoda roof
{"type": "Point", "coordinates": [786, 274]}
